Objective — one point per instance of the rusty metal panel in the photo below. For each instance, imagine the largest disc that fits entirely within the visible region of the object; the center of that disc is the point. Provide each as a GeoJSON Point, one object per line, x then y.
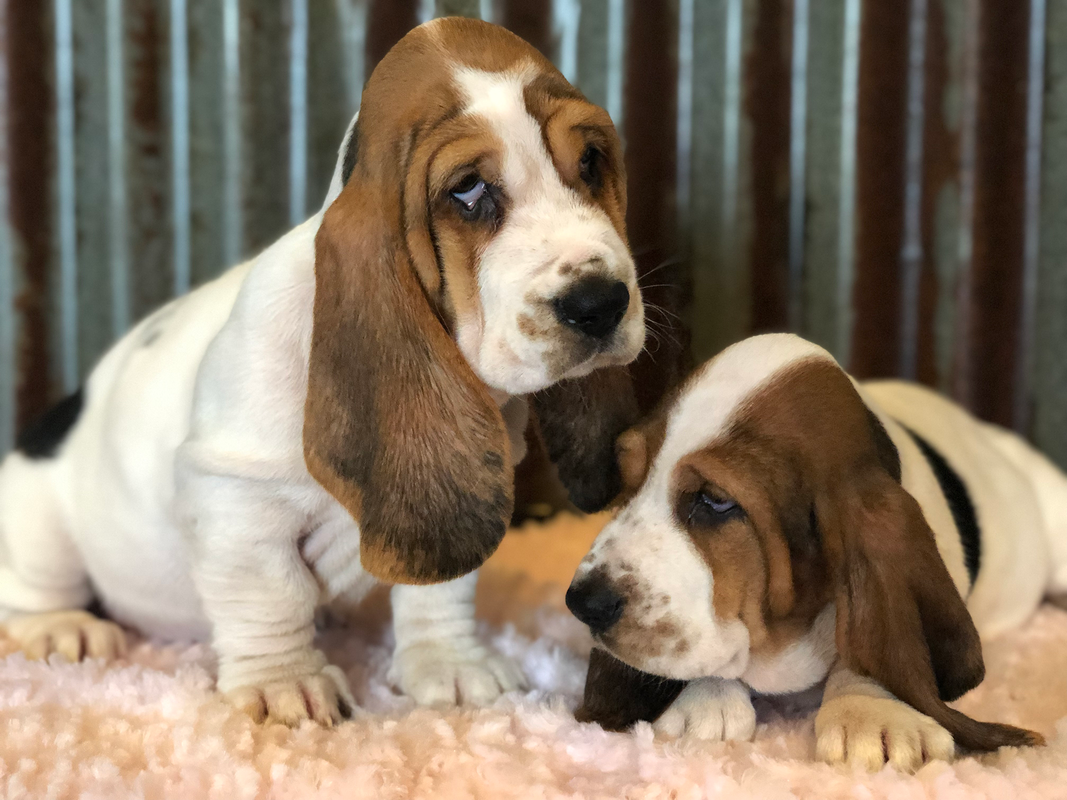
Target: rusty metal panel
{"type": "Point", "coordinates": [100, 257]}
{"type": "Point", "coordinates": [214, 221]}
{"type": "Point", "coordinates": [147, 155]}
{"type": "Point", "coordinates": [988, 342]}
{"type": "Point", "coordinates": [265, 122]}
{"type": "Point", "coordinates": [768, 105]}
{"type": "Point", "coordinates": [650, 131]}
{"type": "Point", "coordinates": [833, 76]}
{"type": "Point", "coordinates": [714, 203]}
{"type": "Point", "coordinates": [333, 92]}
{"type": "Point", "coordinates": [8, 326]}
{"type": "Point", "coordinates": [881, 149]}
{"type": "Point", "coordinates": [887, 178]}
{"type": "Point", "coordinates": [1049, 378]}
{"type": "Point", "coordinates": [26, 380]}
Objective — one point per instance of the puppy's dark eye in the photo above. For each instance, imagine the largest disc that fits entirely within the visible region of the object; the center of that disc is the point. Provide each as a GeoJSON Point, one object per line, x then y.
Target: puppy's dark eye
{"type": "Point", "coordinates": [469, 191]}
{"type": "Point", "coordinates": [709, 509]}
{"type": "Point", "coordinates": [589, 167]}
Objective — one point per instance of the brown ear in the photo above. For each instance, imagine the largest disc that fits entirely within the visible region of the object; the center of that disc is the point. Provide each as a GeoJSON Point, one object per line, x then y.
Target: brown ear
{"type": "Point", "coordinates": [631, 453]}
{"type": "Point", "coordinates": [900, 619]}
{"type": "Point", "coordinates": [617, 696]}
{"type": "Point", "coordinates": [397, 427]}
{"type": "Point", "coordinates": [580, 420]}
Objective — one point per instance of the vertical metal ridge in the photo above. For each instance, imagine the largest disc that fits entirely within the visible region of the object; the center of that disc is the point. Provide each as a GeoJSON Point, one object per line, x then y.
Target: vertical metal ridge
{"type": "Point", "coordinates": [1024, 361]}
{"type": "Point", "coordinates": [567, 16]}
{"type": "Point", "coordinates": [911, 257]}
{"type": "Point", "coordinates": [181, 201]}
{"type": "Point", "coordinates": [354, 20]}
{"type": "Point", "coordinates": [298, 111]}
{"type": "Point", "coordinates": [68, 231]}
{"type": "Point", "coordinates": [961, 378]}
{"type": "Point", "coordinates": [8, 335]}
{"type": "Point", "coordinates": [798, 120]}
{"type": "Point", "coordinates": [427, 10]}
{"type": "Point", "coordinates": [731, 131]}
{"type": "Point", "coordinates": [847, 185]}
{"type": "Point", "coordinates": [683, 179]}
{"type": "Point", "coordinates": [116, 153]}
{"type": "Point", "coordinates": [232, 116]}
{"type": "Point", "coordinates": [485, 10]}
{"type": "Point", "coordinates": [616, 65]}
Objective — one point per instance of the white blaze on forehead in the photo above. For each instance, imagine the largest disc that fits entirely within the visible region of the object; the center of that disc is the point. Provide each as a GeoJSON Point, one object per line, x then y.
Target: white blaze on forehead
{"type": "Point", "coordinates": [499, 97]}
{"type": "Point", "coordinates": [712, 399]}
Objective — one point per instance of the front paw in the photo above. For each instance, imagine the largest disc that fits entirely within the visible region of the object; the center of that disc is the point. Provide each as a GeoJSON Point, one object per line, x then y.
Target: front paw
{"type": "Point", "coordinates": [443, 673]}
{"type": "Point", "coordinates": [870, 732]}
{"type": "Point", "coordinates": [323, 696]}
{"type": "Point", "coordinates": [712, 709]}
{"type": "Point", "coordinates": [72, 635]}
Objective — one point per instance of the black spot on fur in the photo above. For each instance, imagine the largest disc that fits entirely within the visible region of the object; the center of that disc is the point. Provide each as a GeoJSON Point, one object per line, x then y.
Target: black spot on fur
{"type": "Point", "coordinates": [348, 163]}
{"type": "Point", "coordinates": [959, 503]}
{"type": "Point", "coordinates": [887, 451]}
{"type": "Point", "coordinates": [617, 696]}
{"type": "Point", "coordinates": [43, 436]}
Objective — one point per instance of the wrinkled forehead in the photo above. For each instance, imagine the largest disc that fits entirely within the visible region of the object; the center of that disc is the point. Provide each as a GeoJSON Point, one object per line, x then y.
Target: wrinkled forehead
{"type": "Point", "coordinates": [725, 389]}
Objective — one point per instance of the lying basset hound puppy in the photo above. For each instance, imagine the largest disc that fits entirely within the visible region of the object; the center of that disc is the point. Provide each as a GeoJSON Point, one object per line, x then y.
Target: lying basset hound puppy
{"type": "Point", "coordinates": [347, 407]}
{"type": "Point", "coordinates": [784, 523]}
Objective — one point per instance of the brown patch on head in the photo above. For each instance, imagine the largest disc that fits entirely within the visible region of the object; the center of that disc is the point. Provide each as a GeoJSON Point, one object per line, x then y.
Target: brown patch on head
{"type": "Point", "coordinates": [820, 514]}
{"type": "Point", "coordinates": [397, 427]}
{"type": "Point", "coordinates": [583, 144]}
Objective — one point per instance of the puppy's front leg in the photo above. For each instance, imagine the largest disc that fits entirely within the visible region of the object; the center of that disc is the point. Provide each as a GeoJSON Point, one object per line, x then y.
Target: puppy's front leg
{"type": "Point", "coordinates": [439, 658]}
{"type": "Point", "coordinates": [862, 724]}
{"type": "Point", "coordinates": [712, 709]}
{"type": "Point", "coordinates": [261, 598]}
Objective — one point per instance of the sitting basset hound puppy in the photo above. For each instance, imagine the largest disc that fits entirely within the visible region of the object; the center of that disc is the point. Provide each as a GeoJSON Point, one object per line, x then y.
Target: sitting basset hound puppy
{"type": "Point", "coordinates": [784, 523]}
{"type": "Point", "coordinates": [347, 407]}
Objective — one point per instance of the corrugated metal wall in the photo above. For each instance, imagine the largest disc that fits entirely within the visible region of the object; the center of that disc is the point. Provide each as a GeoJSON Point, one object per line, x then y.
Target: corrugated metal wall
{"type": "Point", "coordinates": [888, 177]}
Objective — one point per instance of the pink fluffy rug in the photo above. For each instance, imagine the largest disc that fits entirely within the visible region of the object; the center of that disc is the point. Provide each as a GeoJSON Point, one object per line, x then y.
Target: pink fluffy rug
{"type": "Point", "coordinates": [152, 728]}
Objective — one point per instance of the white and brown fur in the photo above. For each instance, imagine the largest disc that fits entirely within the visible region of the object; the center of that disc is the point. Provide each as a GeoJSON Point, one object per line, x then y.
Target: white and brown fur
{"type": "Point", "coordinates": [347, 407]}
{"type": "Point", "coordinates": [784, 524]}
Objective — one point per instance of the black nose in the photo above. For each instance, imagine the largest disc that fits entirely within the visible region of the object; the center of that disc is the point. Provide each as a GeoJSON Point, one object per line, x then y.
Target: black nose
{"type": "Point", "coordinates": [594, 305]}
{"type": "Point", "coordinates": [595, 603]}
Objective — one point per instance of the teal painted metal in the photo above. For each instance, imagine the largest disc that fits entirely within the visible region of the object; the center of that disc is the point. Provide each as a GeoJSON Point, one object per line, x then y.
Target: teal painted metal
{"type": "Point", "coordinates": [1050, 350]}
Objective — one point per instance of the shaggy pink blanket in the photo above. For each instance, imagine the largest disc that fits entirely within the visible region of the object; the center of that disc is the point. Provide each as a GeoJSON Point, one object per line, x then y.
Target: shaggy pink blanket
{"type": "Point", "coordinates": [151, 727]}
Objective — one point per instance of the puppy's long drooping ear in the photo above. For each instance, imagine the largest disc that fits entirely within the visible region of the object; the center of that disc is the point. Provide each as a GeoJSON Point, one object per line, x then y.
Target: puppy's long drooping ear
{"type": "Point", "coordinates": [900, 619]}
{"type": "Point", "coordinates": [580, 420]}
{"type": "Point", "coordinates": [617, 696]}
{"type": "Point", "coordinates": [397, 427]}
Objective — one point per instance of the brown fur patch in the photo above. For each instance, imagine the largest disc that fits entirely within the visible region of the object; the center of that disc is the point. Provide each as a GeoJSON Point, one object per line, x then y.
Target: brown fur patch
{"type": "Point", "coordinates": [815, 481]}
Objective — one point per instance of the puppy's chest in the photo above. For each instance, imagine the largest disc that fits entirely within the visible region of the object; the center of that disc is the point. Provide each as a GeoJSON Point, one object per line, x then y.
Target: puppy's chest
{"type": "Point", "coordinates": [800, 664]}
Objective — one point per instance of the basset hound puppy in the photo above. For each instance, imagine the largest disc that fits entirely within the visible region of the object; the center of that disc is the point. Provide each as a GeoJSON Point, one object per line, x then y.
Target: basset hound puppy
{"type": "Point", "coordinates": [347, 407]}
{"type": "Point", "coordinates": [783, 524]}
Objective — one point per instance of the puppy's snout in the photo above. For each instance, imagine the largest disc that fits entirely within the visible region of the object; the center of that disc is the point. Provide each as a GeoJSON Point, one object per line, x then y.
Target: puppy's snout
{"type": "Point", "coordinates": [594, 306]}
{"type": "Point", "coordinates": [595, 602]}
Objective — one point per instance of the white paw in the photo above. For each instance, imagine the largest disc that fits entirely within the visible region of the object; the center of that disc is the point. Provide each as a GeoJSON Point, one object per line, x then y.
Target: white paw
{"type": "Point", "coordinates": [712, 709]}
{"type": "Point", "coordinates": [870, 732]}
{"type": "Point", "coordinates": [72, 635]}
{"type": "Point", "coordinates": [323, 696]}
{"type": "Point", "coordinates": [442, 673]}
